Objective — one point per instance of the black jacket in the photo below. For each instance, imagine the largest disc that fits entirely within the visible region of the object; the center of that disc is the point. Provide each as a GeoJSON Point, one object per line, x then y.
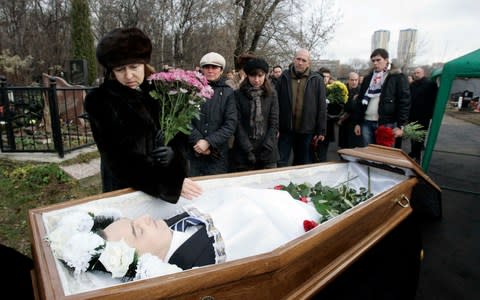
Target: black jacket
{"type": "Point", "coordinates": [218, 120]}
{"type": "Point", "coordinates": [394, 106]}
{"type": "Point", "coordinates": [197, 251]}
{"type": "Point", "coordinates": [314, 114]}
{"type": "Point", "coordinates": [265, 148]}
{"type": "Point", "coordinates": [124, 124]}
{"type": "Point", "coordinates": [424, 95]}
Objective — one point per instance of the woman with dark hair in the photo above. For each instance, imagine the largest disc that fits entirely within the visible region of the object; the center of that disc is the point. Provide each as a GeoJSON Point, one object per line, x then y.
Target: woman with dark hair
{"type": "Point", "coordinates": [255, 146]}
{"type": "Point", "coordinates": [125, 123]}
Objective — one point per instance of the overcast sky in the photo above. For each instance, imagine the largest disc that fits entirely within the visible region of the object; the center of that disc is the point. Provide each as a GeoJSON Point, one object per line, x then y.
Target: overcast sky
{"type": "Point", "coordinates": [446, 29]}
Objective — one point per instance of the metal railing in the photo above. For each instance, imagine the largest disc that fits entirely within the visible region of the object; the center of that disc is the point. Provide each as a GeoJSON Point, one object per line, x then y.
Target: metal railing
{"type": "Point", "coordinates": [43, 119]}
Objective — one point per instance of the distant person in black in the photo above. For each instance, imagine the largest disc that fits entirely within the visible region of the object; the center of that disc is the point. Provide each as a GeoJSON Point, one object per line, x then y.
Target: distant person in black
{"type": "Point", "coordinates": [346, 136]}
{"type": "Point", "coordinates": [423, 92]}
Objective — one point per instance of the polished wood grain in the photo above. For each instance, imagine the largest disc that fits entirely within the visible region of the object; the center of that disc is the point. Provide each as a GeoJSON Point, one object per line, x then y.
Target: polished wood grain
{"type": "Point", "coordinates": [297, 270]}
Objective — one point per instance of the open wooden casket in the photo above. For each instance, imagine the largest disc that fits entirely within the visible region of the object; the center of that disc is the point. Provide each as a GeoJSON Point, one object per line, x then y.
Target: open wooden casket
{"type": "Point", "coordinates": [283, 273]}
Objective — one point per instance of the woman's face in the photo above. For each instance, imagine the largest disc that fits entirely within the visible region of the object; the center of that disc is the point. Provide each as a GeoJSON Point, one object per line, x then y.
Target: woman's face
{"type": "Point", "coordinates": [211, 72]}
{"type": "Point", "coordinates": [257, 80]}
{"type": "Point", "coordinates": [131, 75]}
{"type": "Point", "coordinates": [144, 234]}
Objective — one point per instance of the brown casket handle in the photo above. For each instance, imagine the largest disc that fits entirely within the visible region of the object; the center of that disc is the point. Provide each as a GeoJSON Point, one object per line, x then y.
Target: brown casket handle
{"type": "Point", "coordinates": [403, 201]}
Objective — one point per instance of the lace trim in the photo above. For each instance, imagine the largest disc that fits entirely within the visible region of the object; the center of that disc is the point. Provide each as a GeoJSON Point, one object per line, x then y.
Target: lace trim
{"type": "Point", "coordinates": [218, 245]}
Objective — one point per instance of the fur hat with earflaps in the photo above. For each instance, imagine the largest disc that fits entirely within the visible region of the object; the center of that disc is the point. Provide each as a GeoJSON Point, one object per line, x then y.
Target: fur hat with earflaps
{"type": "Point", "coordinates": [123, 46]}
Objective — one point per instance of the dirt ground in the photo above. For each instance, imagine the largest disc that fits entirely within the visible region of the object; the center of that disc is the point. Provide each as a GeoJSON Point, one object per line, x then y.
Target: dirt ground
{"type": "Point", "coordinates": [467, 116]}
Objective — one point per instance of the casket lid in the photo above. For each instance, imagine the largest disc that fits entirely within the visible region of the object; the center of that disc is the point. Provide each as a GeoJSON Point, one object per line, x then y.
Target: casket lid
{"type": "Point", "coordinates": [388, 156]}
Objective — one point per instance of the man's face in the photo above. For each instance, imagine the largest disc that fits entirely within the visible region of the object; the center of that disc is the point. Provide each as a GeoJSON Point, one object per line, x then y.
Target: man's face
{"type": "Point", "coordinates": [326, 77]}
{"type": "Point", "coordinates": [379, 63]}
{"type": "Point", "coordinates": [211, 72]}
{"type": "Point", "coordinates": [144, 234]}
{"type": "Point", "coordinates": [352, 81]}
{"type": "Point", "coordinates": [418, 74]}
{"type": "Point", "coordinates": [301, 62]}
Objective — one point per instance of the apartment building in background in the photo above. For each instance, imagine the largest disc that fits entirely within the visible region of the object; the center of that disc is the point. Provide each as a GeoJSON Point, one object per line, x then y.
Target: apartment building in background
{"type": "Point", "coordinates": [407, 45]}
{"type": "Point", "coordinates": [380, 39]}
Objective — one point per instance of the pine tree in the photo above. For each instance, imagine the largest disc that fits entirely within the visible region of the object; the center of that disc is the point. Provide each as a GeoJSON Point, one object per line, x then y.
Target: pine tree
{"type": "Point", "coordinates": [82, 37]}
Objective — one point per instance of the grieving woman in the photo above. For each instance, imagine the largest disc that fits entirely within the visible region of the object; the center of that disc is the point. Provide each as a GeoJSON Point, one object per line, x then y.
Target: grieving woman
{"type": "Point", "coordinates": [256, 137]}
{"type": "Point", "coordinates": [125, 123]}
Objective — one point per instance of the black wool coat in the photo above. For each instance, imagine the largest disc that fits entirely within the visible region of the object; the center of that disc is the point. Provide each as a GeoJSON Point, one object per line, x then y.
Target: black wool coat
{"type": "Point", "coordinates": [124, 124]}
{"type": "Point", "coordinates": [217, 123]}
{"type": "Point", "coordinates": [265, 147]}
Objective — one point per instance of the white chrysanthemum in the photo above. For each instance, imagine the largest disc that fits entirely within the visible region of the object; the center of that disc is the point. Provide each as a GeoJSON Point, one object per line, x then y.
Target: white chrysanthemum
{"type": "Point", "coordinates": [58, 238]}
{"type": "Point", "coordinates": [77, 221]}
{"type": "Point", "coordinates": [150, 266]}
{"type": "Point", "coordinates": [79, 249]}
{"type": "Point", "coordinates": [117, 257]}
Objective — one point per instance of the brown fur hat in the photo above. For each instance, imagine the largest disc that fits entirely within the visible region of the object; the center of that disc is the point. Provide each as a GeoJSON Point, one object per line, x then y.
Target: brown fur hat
{"type": "Point", "coordinates": [123, 46]}
{"type": "Point", "coordinates": [253, 65]}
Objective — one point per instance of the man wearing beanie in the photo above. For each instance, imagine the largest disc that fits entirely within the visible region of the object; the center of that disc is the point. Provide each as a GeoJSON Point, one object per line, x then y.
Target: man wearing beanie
{"type": "Point", "coordinates": [256, 145]}
{"type": "Point", "coordinates": [208, 141]}
{"type": "Point", "coordinates": [303, 111]}
{"type": "Point", "coordinates": [125, 122]}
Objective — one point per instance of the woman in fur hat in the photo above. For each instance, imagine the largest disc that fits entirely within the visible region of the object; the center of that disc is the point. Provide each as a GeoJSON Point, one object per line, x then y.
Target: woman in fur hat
{"type": "Point", "coordinates": [125, 123]}
{"type": "Point", "coordinates": [255, 145]}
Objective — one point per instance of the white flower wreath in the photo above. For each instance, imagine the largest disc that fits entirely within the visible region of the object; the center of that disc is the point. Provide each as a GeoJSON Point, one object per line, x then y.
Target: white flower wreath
{"type": "Point", "coordinates": [73, 243]}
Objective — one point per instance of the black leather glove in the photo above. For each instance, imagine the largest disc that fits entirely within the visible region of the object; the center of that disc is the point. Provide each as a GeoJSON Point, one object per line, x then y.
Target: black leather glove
{"type": "Point", "coordinates": [159, 139]}
{"type": "Point", "coordinates": [163, 155]}
{"type": "Point", "coordinates": [251, 158]}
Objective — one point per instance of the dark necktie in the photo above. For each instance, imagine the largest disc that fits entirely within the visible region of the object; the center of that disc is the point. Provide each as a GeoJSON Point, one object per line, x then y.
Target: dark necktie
{"type": "Point", "coordinates": [186, 222]}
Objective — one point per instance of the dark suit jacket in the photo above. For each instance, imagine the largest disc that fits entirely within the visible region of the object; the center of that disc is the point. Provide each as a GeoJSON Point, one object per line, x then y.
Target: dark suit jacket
{"type": "Point", "coordinates": [196, 251]}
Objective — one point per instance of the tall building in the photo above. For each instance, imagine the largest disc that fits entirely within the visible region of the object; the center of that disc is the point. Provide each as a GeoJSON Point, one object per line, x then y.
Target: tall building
{"type": "Point", "coordinates": [407, 45]}
{"type": "Point", "coordinates": [380, 39]}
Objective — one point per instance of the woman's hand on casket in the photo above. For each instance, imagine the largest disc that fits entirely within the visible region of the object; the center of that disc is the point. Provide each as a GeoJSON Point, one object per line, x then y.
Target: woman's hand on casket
{"type": "Point", "coordinates": [163, 155]}
{"type": "Point", "coordinates": [190, 189]}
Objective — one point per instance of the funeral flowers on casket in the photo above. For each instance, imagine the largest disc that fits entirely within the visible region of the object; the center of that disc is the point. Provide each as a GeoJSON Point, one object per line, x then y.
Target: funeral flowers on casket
{"type": "Point", "coordinates": [328, 201]}
{"type": "Point", "coordinates": [181, 94]}
{"type": "Point", "coordinates": [76, 243]}
{"type": "Point", "coordinates": [337, 96]}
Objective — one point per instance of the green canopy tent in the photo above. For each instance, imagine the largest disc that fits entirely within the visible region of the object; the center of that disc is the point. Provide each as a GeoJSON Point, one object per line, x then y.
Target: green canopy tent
{"type": "Point", "coordinates": [468, 66]}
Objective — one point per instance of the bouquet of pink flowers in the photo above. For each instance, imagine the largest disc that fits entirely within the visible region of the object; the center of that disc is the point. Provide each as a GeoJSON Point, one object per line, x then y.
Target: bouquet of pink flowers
{"type": "Point", "coordinates": [181, 94]}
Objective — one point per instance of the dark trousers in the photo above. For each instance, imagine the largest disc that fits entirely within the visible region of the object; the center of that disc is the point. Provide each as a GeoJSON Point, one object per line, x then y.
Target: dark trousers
{"type": "Point", "coordinates": [300, 144]}
{"type": "Point", "coordinates": [417, 147]}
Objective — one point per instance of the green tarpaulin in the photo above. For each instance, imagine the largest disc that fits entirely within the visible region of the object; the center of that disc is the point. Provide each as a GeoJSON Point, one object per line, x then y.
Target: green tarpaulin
{"type": "Point", "coordinates": [468, 66]}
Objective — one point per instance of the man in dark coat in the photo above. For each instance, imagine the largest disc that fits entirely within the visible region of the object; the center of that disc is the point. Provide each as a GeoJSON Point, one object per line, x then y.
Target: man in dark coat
{"type": "Point", "coordinates": [346, 135]}
{"type": "Point", "coordinates": [302, 111]}
{"type": "Point", "coordinates": [423, 94]}
{"type": "Point", "coordinates": [384, 99]}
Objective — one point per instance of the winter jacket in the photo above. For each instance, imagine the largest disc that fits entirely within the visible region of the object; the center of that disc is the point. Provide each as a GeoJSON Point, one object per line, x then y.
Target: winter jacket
{"type": "Point", "coordinates": [424, 95]}
{"type": "Point", "coordinates": [394, 105]}
{"type": "Point", "coordinates": [217, 123]}
{"type": "Point", "coordinates": [124, 124]}
{"type": "Point", "coordinates": [265, 147]}
{"type": "Point", "coordinates": [314, 111]}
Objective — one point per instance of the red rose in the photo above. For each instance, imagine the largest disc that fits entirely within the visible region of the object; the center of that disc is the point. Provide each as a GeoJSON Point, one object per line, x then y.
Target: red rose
{"type": "Point", "coordinates": [279, 187]}
{"type": "Point", "coordinates": [384, 136]}
{"type": "Point", "coordinates": [303, 199]}
{"type": "Point", "coordinates": [309, 225]}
